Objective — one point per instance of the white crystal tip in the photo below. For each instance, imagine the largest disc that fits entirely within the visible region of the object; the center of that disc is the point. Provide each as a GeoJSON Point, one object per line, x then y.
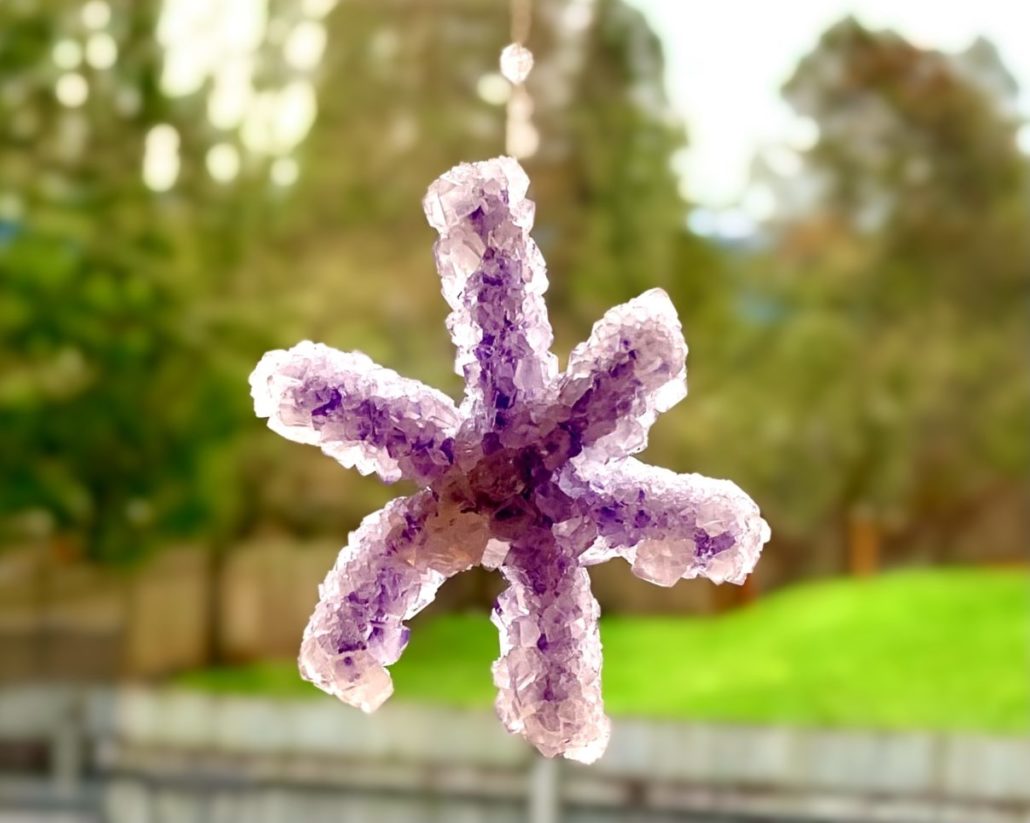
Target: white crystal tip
{"type": "Point", "coordinates": [516, 63]}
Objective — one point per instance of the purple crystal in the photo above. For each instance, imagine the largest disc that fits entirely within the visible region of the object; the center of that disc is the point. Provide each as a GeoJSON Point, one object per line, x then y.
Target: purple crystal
{"type": "Point", "coordinates": [531, 475]}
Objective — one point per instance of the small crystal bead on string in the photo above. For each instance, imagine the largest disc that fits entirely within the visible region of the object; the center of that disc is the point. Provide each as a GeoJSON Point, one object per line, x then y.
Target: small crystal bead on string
{"type": "Point", "coordinates": [521, 137]}
{"type": "Point", "coordinates": [516, 63]}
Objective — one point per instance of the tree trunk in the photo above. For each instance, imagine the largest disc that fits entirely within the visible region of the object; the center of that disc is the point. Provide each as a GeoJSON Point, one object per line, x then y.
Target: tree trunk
{"type": "Point", "coordinates": [217, 554]}
{"type": "Point", "coordinates": [864, 540]}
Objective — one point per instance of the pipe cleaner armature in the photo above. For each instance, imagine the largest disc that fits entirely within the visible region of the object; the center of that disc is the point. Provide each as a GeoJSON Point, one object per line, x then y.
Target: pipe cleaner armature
{"type": "Point", "coordinates": [531, 475]}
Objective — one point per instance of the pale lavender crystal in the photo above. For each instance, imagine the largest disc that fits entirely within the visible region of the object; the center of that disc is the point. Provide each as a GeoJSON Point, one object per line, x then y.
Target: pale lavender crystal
{"type": "Point", "coordinates": [531, 476]}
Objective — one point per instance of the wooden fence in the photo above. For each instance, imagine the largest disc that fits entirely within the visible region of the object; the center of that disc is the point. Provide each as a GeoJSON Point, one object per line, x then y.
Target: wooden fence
{"type": "Point", "coordinates": [83, 622]}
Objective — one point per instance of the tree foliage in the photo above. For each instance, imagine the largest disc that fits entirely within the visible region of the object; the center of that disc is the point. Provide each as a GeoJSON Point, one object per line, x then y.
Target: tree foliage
{"type": "Point", "coordinates": [892, 356]}
{"type": "Point", "coordinates": [117, 403]}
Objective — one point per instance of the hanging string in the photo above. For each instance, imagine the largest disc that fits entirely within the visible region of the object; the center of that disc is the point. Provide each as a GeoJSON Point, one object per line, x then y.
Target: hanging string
{"type": "Point", "coordinates": [521, 138]}
{"type": "Point", "coordinates": [521, 20]}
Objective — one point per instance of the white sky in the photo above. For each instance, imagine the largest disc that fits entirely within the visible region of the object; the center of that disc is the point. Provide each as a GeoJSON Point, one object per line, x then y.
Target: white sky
{"type": "Point", "coordinates": [726, 61]}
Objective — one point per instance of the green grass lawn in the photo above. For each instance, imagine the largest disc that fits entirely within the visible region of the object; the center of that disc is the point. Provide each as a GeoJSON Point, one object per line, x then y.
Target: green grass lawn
{"type": "Point", "coordinates": [932, 649]}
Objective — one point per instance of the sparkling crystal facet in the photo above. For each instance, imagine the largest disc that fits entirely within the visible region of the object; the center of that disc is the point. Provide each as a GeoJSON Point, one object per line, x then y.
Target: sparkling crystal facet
{"type": "Point", "coordinates": [531, 476]}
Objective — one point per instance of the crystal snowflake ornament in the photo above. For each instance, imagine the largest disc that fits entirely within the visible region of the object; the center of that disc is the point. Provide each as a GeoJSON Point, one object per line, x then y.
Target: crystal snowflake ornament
{"type": "Point", "coordinates": [531, 475]}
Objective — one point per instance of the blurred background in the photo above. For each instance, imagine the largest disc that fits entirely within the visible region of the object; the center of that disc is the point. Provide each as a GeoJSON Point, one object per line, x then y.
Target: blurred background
{"type": "Point", "coordinates": [837, 198]}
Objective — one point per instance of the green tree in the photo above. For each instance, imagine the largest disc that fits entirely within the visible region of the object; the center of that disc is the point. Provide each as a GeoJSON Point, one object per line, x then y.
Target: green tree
{"type": "Point", "coordinates": [118, 402]}
{"type": "Point", "coordinates": [894, 366]}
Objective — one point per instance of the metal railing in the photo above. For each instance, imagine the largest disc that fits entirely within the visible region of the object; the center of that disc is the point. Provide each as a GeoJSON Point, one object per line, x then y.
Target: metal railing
{"type": "Point", "coordinates": [164, 756]}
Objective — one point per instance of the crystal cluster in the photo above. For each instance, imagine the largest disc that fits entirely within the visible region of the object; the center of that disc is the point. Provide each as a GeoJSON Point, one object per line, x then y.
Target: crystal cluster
{"type": "Point", "coordinates": [531, 475]}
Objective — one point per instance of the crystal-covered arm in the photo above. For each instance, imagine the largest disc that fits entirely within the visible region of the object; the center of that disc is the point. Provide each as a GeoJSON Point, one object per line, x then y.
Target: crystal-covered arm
{"type": "Point", "coordinates": [358, 413]}
{"type": "Point", "coordinates": [549, 673]}
{"type": "Point", "coordinates": [494, 279]}
{"type": "Point", "coordinates": [632, 367]}
{"type": "Point", "coordinates": [390, 569]}
{"type": "Point", "coordinates": [670, 526]}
